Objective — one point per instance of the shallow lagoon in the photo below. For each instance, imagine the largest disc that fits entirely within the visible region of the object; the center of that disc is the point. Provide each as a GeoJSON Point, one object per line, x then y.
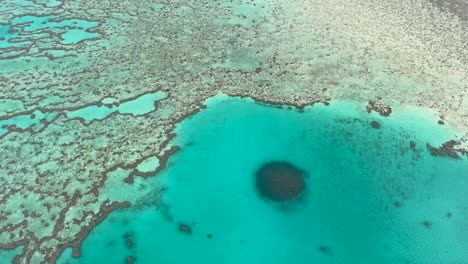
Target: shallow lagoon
{"type": "Point", "coordinates": [7, 256]}
{"type": "Point", "coordinates": [372, 195]}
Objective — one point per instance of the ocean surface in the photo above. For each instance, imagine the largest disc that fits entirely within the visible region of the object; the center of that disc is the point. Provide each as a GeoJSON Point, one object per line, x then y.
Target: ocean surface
{"type": "Point", "coordinates": [374, 193]}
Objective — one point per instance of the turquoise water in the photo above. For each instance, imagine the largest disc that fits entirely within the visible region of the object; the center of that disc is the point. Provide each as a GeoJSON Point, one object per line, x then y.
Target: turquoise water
{"type": "Point", "coordinates": [372, 195]}
{"type": "Point", "coordinates": [26, 121]}
{"type": "Point", "coordinates": [7, 256]}
{"type": "Point", "coordinates": [35, 121]}
{"type": "Point", "coordinates": [24, 30]}
{"type": "Point", "coordinates": [138, 106]}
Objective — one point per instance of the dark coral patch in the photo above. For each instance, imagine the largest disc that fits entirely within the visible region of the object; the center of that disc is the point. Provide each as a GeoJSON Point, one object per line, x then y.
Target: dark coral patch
{"type": "Point", "coordinates": [413, 145]}
{"type": "Point", "coordinates": [130, 260]}
{"type": "Point", "coordinates": [382, 109]}
{"type": "Point", "coordinates": [427, 224]}
{"type": "Point", "coordinates": [325, 250]}
{"type": "Point", "coordinates": [129, 240]}
{"type": "Point", "coordinates": [279, 181]}
{"type": "Point", "coordinates": [449, 149]}
{"type": "Point", "coordinates": [375, 124]}
{"type": "Point", "coordinates": [185, 229]}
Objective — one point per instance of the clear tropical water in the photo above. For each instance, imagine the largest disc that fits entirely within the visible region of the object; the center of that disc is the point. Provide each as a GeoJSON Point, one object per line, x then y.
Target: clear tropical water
{"type": "Point", "coordinates": [7, 256]}
{"type": "Point", "coordinates": [372, 195]}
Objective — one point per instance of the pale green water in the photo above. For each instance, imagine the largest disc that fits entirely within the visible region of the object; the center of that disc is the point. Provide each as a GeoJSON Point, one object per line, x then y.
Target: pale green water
{"type": "Point", "coordinates": [370, 198]}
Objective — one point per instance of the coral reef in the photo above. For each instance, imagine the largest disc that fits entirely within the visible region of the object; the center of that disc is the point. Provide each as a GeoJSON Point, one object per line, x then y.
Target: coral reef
{"type": "Point", "coordinates": [68, 68]}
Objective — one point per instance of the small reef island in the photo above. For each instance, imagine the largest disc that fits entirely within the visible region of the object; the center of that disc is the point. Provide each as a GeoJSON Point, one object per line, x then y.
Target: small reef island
{"type": "Point", "coordinates": [243, 131]}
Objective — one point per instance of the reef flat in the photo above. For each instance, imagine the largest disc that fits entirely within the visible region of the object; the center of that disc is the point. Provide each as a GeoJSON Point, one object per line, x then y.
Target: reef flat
{"type": "Point", "coordinates": [66, 68]}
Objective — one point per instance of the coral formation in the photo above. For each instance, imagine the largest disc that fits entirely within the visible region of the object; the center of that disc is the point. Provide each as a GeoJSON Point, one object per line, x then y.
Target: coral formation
{"type": "Point", "coordinates": [58, 58]}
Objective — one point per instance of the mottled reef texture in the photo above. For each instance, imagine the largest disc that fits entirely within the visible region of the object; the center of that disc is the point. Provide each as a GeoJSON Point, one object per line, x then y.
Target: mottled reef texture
{"type": "Point", "coordinates": [292, 52]}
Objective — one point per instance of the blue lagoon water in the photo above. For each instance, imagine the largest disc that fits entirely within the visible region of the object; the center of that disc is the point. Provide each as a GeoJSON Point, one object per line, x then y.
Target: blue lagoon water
{"type": "Point", "coordinates": [372, 195]}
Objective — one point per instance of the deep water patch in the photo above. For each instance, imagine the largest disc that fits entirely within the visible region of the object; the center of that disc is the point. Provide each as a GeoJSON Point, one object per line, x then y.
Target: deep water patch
{"type": "Point", "coordinates": [378, 195]}
{"type": "Point", "coordinates": [279, 181]}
